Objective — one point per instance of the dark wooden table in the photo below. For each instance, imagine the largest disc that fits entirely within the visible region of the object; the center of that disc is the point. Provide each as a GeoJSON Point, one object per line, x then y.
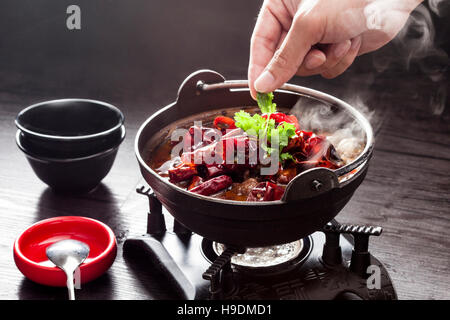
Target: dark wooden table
{"type": "Point", "coordinates": [135, 55]}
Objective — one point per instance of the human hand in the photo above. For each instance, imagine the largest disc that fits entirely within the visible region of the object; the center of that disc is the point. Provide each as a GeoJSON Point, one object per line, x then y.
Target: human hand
{"type": "Point", "coordinates": [308, 37]}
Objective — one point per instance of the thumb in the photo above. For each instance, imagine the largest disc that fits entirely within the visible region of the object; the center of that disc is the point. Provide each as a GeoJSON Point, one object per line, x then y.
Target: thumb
{"type": "Point", "coordinates": [305, 31]}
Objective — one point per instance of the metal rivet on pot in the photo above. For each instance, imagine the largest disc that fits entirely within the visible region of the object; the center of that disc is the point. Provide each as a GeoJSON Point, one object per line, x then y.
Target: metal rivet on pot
{"type": "Point", "coordinates": [199, 86]}
{"type": "Point", "coordinates": [316, 185]}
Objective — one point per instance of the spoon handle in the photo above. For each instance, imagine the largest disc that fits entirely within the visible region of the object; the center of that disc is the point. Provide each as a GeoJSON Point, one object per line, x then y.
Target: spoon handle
{"type": "Point", "coordinates": [70, 286]}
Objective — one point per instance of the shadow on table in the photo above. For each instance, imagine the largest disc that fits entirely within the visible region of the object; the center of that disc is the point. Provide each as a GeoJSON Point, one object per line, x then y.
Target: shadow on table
{"type": "Point", "coordinates": [99, 204]}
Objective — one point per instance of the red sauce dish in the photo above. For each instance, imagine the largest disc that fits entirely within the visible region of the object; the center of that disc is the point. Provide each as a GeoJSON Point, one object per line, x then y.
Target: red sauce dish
{"type": "Point", "coordinates": [30, 246]}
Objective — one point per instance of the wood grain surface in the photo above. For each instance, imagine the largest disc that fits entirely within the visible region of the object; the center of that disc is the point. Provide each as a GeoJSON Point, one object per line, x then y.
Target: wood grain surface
{"type": "Point", "coordinates": [407, 189]}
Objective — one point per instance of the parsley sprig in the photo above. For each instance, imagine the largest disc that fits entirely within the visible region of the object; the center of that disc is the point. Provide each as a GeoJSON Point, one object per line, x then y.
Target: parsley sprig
{"type": "Point", "coordinates": [265, 128]}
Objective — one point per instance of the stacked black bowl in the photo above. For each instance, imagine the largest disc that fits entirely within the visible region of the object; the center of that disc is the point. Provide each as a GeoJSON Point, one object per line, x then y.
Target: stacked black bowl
{"type": "Point", "coordinates": [71, 144]}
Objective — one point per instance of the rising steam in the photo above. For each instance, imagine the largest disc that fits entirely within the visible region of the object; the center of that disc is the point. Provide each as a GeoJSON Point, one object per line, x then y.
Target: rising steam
{"type": "Point", "coordinates": [344, 133]}
{"type": "Point", "coordinates": [416, 44]}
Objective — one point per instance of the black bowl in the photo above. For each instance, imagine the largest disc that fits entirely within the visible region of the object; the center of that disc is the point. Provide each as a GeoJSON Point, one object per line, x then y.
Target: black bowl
{"type": "Point", "coordinates": [71, 149]}
{"type": "Point", "coordinates": [70, 127]}
{"type": "Point", "coordinates": [71, 175]}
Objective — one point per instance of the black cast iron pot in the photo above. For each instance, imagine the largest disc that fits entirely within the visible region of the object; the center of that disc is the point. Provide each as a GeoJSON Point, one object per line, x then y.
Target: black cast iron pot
{"type": "Point", "coordinates": [311, 199]}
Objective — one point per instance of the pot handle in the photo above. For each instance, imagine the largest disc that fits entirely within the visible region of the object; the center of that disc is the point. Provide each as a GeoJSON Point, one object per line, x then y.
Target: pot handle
{"type": "Point", "coordinates": [191, 86]}
{"type": "Point", "coordinates": [311, 183]}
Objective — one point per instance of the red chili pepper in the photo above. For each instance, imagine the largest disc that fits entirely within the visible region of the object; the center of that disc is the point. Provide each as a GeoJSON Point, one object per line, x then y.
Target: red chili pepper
{"type": "Point", "coordinates": [214, 170]}
{"type": "Point", "coordinates": [181, 173]}
{"type": "Point", "coordinates": [213, 185]}
{"type": "Point", "coordinates": [305, 135]}
{"type": "Point", "coordinates": [223, 123]}
{"type": "Point", "coordinates": [277, 116]}
{"type": "Point", "coordinates": [281, 117]}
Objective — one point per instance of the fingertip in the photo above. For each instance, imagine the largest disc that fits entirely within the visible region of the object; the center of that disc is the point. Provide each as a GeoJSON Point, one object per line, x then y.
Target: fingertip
{"type": "Point", "coordinates": [253, 93]}
{"type": "Point", "coordinates": [265, 82]}
{"type": "Point", "coordinates": [253, 72]}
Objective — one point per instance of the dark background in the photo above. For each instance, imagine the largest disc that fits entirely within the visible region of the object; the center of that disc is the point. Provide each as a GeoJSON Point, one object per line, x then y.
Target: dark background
{"type": "Point", "coordinates": [136, 53]}
{"type": "Point", "coordinates": [127, 51]}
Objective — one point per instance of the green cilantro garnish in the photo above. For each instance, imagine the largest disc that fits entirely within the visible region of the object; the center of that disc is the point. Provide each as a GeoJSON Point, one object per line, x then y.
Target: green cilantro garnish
{"type": "Point", "coordinates": [265, 102]}
{"type": "Point", "coordinates": [258, 126]}
{"type": "Point", "coordinates": [286, 156]}
{"type": "Point", "coordinates": [250, 124]}
{"type": "Point", "coordinates": [285, 131]}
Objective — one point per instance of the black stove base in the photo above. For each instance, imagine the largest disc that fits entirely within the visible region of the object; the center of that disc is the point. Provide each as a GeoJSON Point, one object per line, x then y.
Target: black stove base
{"type": "Point", "coordinates": [182, 261]}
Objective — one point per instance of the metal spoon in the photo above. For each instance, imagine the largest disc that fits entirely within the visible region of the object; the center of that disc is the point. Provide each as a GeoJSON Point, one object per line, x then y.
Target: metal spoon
{"type": "Point", "coordinates": [68, 255]}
